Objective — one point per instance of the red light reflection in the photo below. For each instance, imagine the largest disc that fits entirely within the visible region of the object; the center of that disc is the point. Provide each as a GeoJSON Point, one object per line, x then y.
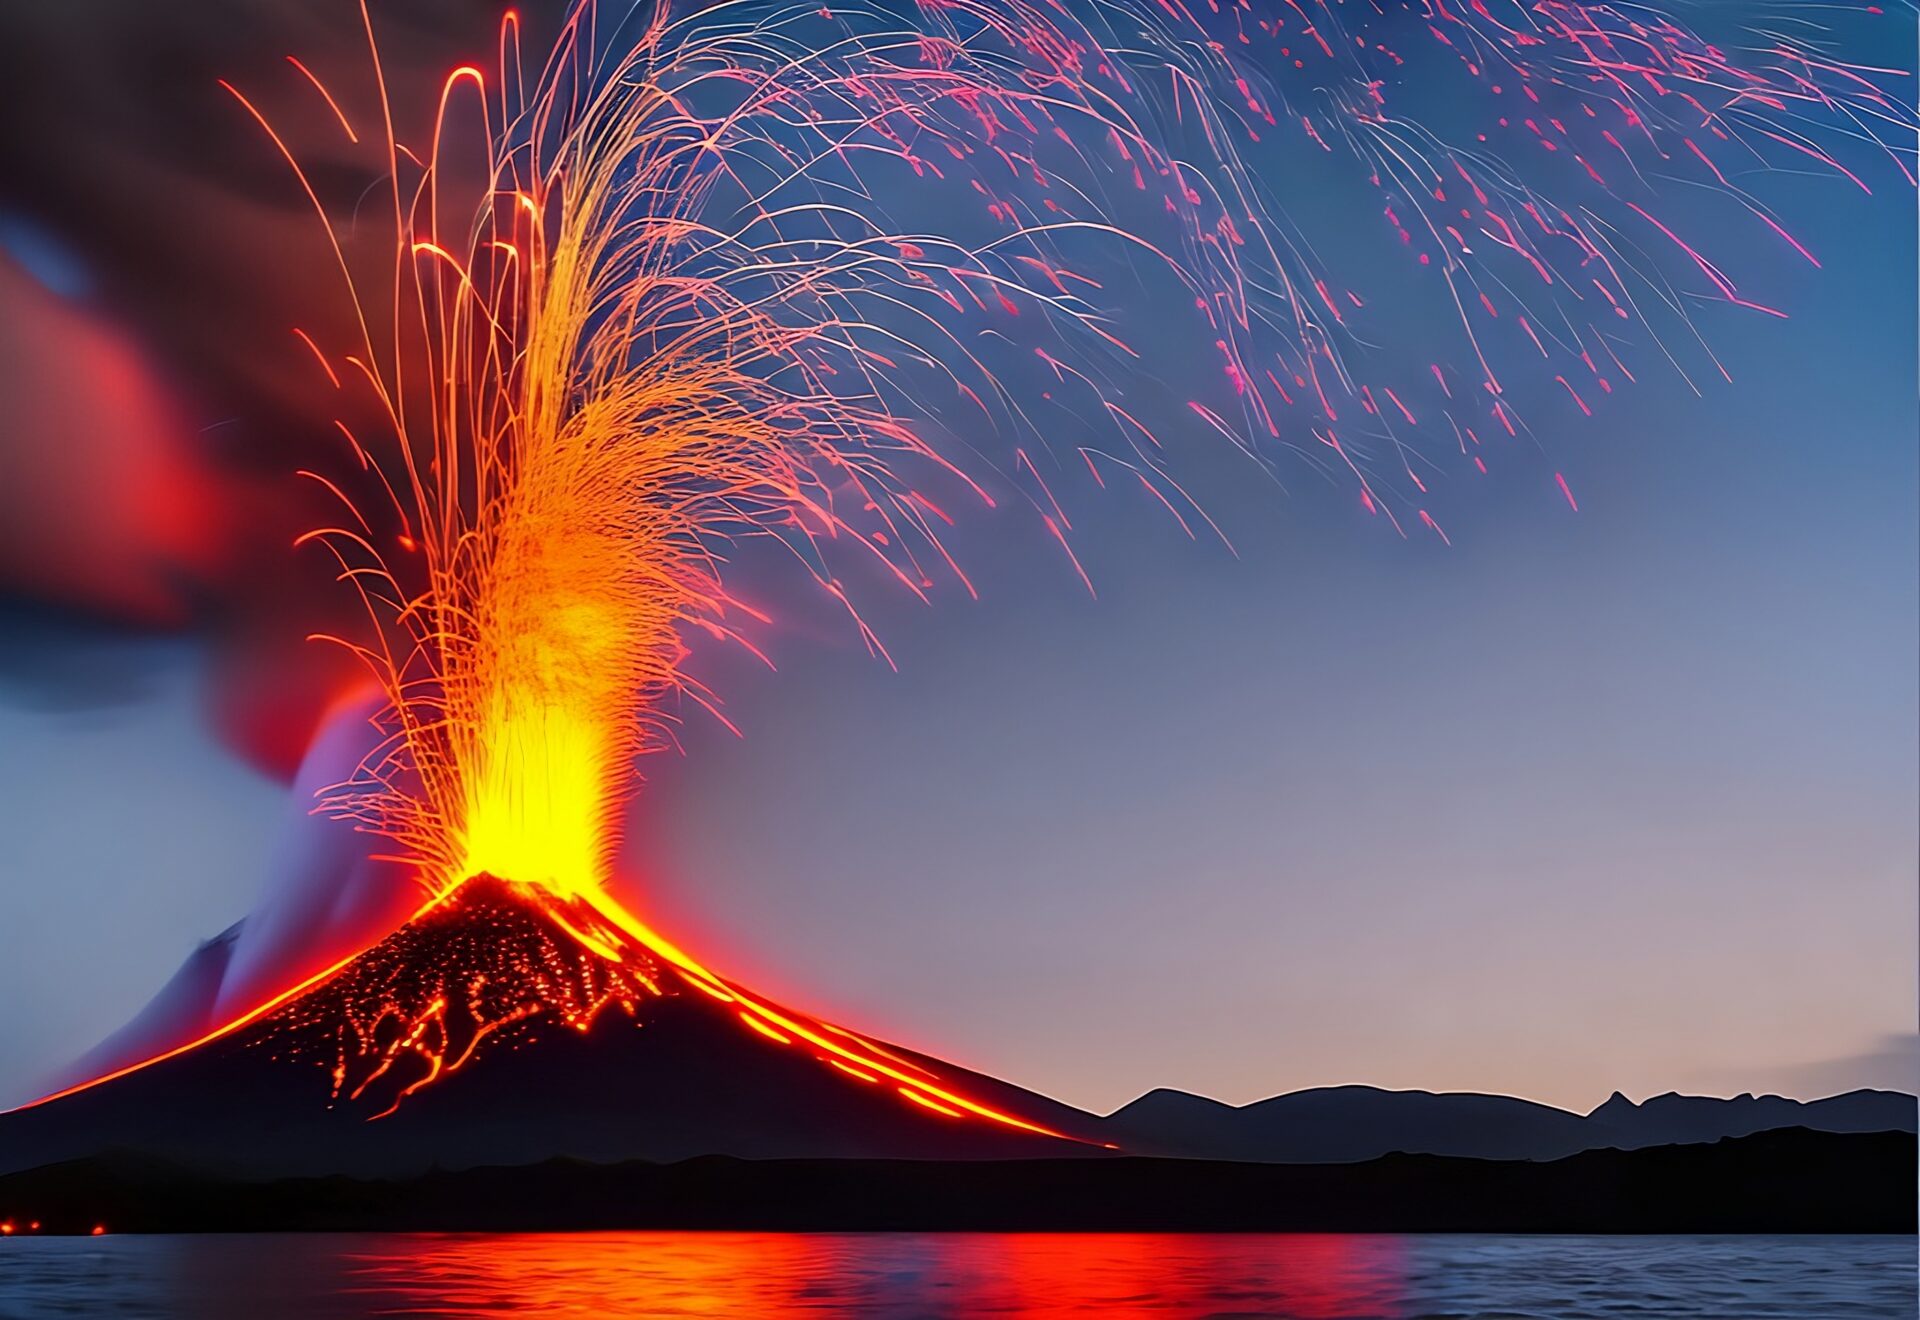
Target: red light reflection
{"type": "Point", "coordinates": [777, 1275]}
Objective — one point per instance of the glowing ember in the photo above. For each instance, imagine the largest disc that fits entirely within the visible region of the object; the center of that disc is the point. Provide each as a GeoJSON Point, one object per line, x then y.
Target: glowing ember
{"type": "Point", "coordinates": [491, 965]}
{"type": "Point", "coordinates": [662, 320]}
{"type": "Point", "coordinates": [475, 970]}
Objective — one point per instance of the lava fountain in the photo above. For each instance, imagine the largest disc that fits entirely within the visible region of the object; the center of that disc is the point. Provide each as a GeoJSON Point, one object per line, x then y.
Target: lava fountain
{"type": "Point", "coordinates": [658, 312]}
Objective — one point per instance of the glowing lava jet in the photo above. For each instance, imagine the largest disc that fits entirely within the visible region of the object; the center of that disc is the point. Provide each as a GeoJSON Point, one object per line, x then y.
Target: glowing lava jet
{"type": "Point", "coordinates": [590, 386]}
{"type": "Point", "coordinates": [662, 311]}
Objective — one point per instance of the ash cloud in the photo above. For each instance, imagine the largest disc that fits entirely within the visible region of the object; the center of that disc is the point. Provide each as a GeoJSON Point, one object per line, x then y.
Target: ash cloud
{"type": "Point", "coordinates": [155, 253]}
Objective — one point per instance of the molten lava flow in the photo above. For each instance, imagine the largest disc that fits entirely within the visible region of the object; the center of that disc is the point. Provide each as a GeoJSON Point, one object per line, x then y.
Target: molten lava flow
{"type": "Point", "coordinates": [491, 961]}
{"type": "Point", "coordinates": [474, 968]}
{"type": "Point", "coordinates": [493, 965]}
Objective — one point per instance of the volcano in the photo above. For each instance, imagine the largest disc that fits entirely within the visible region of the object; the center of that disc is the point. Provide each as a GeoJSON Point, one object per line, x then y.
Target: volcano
{"type": "Point", "coordinates": [502, 1025]}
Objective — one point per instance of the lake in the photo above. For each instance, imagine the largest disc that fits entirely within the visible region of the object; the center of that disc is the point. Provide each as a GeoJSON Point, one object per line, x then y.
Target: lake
{"type": "Point", "coordinates": [772, 1275]}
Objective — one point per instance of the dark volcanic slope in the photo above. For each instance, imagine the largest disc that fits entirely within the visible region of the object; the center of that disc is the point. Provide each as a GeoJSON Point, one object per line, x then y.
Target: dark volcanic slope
{"type": "Point", "coordinates": [679, 1076]}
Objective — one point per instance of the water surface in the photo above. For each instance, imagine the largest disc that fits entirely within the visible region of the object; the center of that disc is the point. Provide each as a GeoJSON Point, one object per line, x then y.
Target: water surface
{"type": "Point", "coordinates": [772, 1275]}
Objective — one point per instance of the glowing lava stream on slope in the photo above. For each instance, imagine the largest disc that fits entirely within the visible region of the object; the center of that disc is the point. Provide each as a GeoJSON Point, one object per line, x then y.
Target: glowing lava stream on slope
{"type": "Point", "coordinates": [661, 311]}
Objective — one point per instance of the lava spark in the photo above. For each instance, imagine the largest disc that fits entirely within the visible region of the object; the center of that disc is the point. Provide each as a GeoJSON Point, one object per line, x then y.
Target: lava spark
{"type": "Point", "coordinates": [823, 276]}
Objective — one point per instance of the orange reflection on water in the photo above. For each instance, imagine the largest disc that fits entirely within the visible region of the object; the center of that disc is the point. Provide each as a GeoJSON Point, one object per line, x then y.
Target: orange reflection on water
{"type": "Point", "coordinates": [777, 1275]}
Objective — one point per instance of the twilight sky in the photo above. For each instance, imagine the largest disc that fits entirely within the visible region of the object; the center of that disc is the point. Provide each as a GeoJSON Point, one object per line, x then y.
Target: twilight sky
{"type": "Point", "coordinates": [1622, 799]}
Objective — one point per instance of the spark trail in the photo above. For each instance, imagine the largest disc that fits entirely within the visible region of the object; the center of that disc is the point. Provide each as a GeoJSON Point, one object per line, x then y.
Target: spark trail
{"type": "Point", "coordinates": [727, 272]}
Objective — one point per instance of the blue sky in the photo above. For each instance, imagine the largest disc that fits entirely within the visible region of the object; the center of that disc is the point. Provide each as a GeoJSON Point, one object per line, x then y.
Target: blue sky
{"type": "Point", "coordinates": [1616, 799]}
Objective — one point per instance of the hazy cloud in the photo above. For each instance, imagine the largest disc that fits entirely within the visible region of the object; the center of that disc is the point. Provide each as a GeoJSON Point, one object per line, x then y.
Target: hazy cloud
{"type": "Point", "coordinates": [1891, 1063]}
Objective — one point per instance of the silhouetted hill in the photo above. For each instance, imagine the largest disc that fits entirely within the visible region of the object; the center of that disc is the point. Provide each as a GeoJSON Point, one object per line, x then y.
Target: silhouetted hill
{"type": "Point", "coordinates": [1349, 1123]}
{"type": "Point", "coordinates": [1787, 1181]}
{"type": "Point", "coordinates": [1670, 1118]}
{"type": "Point", "coordinates": [1340, 1124]}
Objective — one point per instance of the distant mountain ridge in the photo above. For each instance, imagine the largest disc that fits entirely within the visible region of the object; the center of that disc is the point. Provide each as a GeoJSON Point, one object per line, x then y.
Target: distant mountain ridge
{"type": "Point", "coordinates": [1349, 1124]}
